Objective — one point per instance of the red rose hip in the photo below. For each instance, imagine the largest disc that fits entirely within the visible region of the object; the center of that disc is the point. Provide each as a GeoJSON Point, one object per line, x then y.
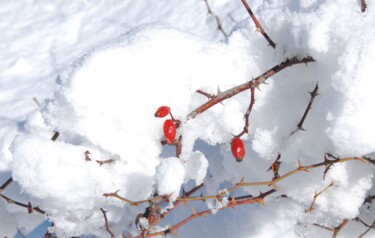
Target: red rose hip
{"type": "Point", "coordinates": [238, 149]}
{"type": "Point", "coordinates": [162, 111]}
{"type": "Point", "coordinates": [169, 130]}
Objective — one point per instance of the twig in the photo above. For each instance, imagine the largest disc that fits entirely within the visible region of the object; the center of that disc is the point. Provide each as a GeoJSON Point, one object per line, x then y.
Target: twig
{"type": "Point", "coordinates": [363, 5]}
{"type": "Point", "coordinates": [335, 230]}
{"type": "Point", "coordinates": [369, 199]}
{"type": "Point", "coordinates": [251, 84]}
{"type": "Point", "coordinates": [172, 230]}
{"type": "Point", "coordinates": [370, 227]}
{"type": "Point", "coordinates": [55, 136]}
{"type": "Point", "coordinates": [257, 24]}
{"type": "Point", "coordinates": [218, 22]}
{"type": "Point", "coordinates": [313, 94]}
{"type": "Point", "coordinates": [316, 196]}
{"type": "Point", "coordinates": [209, 96]}
{"type": "Point", "coordinates": [106, 223]}
{"type": "Point", "coordinates": [247, 114]}
{"type": "Point", "coordinates": [184, 195]}
{"type": "Point", "coordinates": [6, 184]}
{"type": "Point", "coordinates": [103, 162]}
{"type": "Point", "coordinates": [28, 206]}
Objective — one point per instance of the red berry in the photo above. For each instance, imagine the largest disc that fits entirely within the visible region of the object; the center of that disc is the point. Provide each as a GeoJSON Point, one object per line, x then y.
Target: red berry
{"type": "Point", "coordinates": [169, 129]}
{"type": "Point", "coordinates": [162, 111]}
{"type": "Point", "coordinates": [238, 149]}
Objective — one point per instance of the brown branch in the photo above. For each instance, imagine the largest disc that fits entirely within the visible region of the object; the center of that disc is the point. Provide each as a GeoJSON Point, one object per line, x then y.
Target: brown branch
{"type": "Point", "coordinates": [335, 230]}
{"type": "Point", "coordinates": [369, 199]}
{"type": "Point", "coordinates": [302, 168]}
{"type": "Point", "coordinates": [251, 84]}
{"type": "Point", "coordinates": [209, 96]}
{"type": "Point", "coordinates": [27, 206]}
{"type": "Point", "coordinates": [218, 22]}
{"type": "Point", "coordinates": [372, 161]}
{"type": "Point", "coordinates": [247, 114]}
{"type": "Point", "coordinates": [369, 227]}
{"type": "Point", "coordinates": [184, 195]}
{"type": "Point", "coordinates": [106, 225]}
{"type": "Point", "coordinates": [313, 94]}
{"type": "Point", "coordinates": [363, 5]}
{"type": "Point", "coordinates": [6, 184]}
{"type": "Point", "coordinates": [55, 136]}
{"type": "Point", "coordinates": [316, 195]}
{"type": "Point", "coordinates": [103, 162]}
{"type": "Point", "coordinates": [257, 24]}
{"type": "Point", "coordinates": [172, 230]}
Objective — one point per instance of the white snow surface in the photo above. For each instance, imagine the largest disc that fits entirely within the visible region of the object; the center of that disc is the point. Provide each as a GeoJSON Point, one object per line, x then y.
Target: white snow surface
{"type": "Point", "coordinates": [99, 71]}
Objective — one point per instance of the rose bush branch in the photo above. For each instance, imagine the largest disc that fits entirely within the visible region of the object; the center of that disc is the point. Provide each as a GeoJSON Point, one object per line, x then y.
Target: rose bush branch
{"type": "Point", "coordinates": [250, 84]}
{"type": "Point", "coordinates": [257, 24]}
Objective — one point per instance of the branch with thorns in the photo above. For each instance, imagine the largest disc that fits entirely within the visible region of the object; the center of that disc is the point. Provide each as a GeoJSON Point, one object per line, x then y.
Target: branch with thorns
{"type": "Point", "coordinates": [221, 96]}
{"type": "Point", "coordinates": [369, 227]}
{"type": "Point", "coordinates": [316, 195]}
{"type": "Point", "coordinates": [313, 94]}
{"type": "Point", "coordinates": [233, 202]}
{"type": "Point", "coordinates": [218, 22]}
{"type": "Point", "coordinates": [257, 24]}
{"type": "Point", "coordinates": [336, 229]}
{"type": "Point", "coordinates": [247, 114]}
{"type": "Point", "coordinates": [106, 224]}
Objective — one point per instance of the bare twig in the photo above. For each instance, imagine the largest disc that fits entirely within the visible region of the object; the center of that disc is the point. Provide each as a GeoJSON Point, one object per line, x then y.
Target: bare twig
{"type": "Point", "coordinates": [247, 114]}
{"type": "Point", "coordinates": [218, 22]}
{"type": "Point", "coordinates": [55, 136]}
{"type": "Point", "coordinates": [369, 227]}
{"type": "Point", "coordinates": [209, 96]}
{"type": "Point", "coordinates": [6, 184]}
{"type": "Point", "coordinates": [335, 230]}
{"type": "Point", "coordinates": [172, 230]}
{"type": "Point", "coordinates": [257, 24]}
{"type": "Point", "coordinates": [251, 84]}
{"type": "Point", "coordinates": [28, 206]}
{"type": "Point", "coordinates": [313, 94]}
{"type": "Point", "coordinates": [103, 162]}
{"type": "Point", "coordinates": [363, 5]}
{"type": "Point", "coordinates": [106, 225]}
{"type": "Point", "coordinates": [316, 195]}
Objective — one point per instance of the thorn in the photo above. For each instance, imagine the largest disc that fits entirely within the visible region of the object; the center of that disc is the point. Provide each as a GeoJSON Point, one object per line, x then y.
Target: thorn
{"type": "Point", "coordinates": [193, 211]}
{"type": "Point", "coordinates": [242, 180]}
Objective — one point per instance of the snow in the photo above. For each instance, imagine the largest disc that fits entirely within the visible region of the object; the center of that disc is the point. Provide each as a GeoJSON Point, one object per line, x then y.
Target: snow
{"type": "Point", "coordinates": [96, 73]}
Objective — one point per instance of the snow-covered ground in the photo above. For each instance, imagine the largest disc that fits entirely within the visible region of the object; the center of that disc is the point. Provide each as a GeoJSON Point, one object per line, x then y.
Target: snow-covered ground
{"type": "Point", "coordinates": [97, 71]}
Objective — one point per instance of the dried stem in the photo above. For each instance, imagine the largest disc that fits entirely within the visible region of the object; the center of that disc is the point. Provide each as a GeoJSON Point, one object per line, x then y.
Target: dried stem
{"type": "Point", "coordinates": [369, 227]}
{"type": "Point", "coordinates": [247, 114]}
{"type": "Point", "coordinates": [335, 230]}
{"type": "Point", "coordinates": [172, 230]}
{"type": "Point", "coordinates": [55, 136]}
{"type": "Point", "coordinates": [257, 24]}
{"type": "Point", "coordinates": [275, 167]}
{"type": "Point", "coordinates": [27, 206]}
{"type": "Point", "coordinates": [106, 225]}
{"type": "Point", "coordinates": [251, 84]}
{"type": "Point", "coordinates": [209, 96]}
{"type": "Point", "coordinates": [316, 196]}
{"type": "Point", "coordinates": [103, 162]}
{"type": "Point", "coordinates": [178, 202]}
{"type": "Point", "coordinates": [313, 94]}
{"type": "Point", "coordinates": [6, 184]}
{"type": "Point", "coordinates": [363, 5]}
{"type": "Point", "coordinates": [218, 22]}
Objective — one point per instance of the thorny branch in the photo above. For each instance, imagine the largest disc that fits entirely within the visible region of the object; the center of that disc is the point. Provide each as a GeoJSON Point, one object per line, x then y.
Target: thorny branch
{"type": "Point", "coordinates": [257, 24]}
{"type": "Point", "coordinates": [335, 230]}
{"type": "Point", "coordinates": [218, 22]}
{"type": "Point", "coordinates": [316, 196]}
{"type": "Point", "coordinates": [313, 94]}
{"type": "Point", "coordinates": [250, 84]}
{"type": "Point", "coordinates": [172, 230]}
{"type": "Point", "coordinates": [106, 225]}
{"type": "Point", "coordinates": [369, 227]}
{"type": "Point", "coordinates": [247, 114]}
